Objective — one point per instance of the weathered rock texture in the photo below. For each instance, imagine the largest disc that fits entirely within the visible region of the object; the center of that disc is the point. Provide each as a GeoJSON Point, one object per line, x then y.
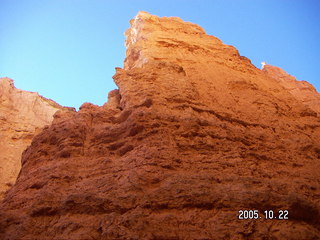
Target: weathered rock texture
{"type": "Point", "coordinates": [302, 90]}
{"type": "Point", "coordinates": [194, 134]}
{"type": "Point", "coordinates": [22, 115]}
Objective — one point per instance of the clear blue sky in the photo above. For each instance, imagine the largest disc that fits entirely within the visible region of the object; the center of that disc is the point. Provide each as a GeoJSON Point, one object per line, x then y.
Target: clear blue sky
{"type": "Point", "coordinates": [67, 49]}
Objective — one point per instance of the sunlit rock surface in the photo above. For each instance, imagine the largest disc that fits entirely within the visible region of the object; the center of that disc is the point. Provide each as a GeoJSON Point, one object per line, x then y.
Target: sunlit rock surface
{"type": "Point", "coordinates": [22, 115]}
{"type": "Point", "coordinates": [302, 90]}
{"type": "Point", "coordinates": [194, 134]}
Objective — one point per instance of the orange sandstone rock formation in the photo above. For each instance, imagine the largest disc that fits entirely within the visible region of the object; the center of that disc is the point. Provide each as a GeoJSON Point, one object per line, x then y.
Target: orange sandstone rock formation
{"type": "Point", "coordinates": [194, 134]}
{"type": "Point", "coordinates": [22, 115]}
{"type": "Point", "coordinates": [302, 90]}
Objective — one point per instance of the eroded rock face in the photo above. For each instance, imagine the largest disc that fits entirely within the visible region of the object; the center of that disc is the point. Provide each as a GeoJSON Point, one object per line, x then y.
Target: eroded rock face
{"type": "Point", "coordinates": [302, 90]}
{"type": "Point", "coordinates": [194, 134]}
{"type": "Point", "coordinates": [22, 115]}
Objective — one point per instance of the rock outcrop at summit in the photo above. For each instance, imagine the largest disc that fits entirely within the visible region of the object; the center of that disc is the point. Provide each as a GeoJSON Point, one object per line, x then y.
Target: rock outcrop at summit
{"type": "Point", "coordinates": [22, 115]}
{"type": "Point", "coordinates": [194, 134]}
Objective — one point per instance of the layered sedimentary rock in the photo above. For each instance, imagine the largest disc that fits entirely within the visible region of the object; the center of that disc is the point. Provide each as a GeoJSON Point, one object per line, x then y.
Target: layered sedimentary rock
{"type": "Point", "coordinates": [22, 115]}
{"type": "Point", "coordinates": [194, 134]}
{"type": "Point", "coordinates": [302, 90]}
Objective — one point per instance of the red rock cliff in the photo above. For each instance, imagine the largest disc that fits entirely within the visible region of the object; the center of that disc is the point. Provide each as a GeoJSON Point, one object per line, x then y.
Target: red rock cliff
{"type": "Point", "coordinates": [194, 134]}
{"type": "Point", "coordinates": [303, 91]}
{"type": "Point", "coordinates": [22, 115]}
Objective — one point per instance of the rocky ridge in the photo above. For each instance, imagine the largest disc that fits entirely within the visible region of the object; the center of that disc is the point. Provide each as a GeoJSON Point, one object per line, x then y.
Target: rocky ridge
{"type": "Point", "coordinates": [194, 134]}
{"type": "Point", "coordinates": [302, 90]}
{"type": "Point", "coordinates": [22, 115]}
